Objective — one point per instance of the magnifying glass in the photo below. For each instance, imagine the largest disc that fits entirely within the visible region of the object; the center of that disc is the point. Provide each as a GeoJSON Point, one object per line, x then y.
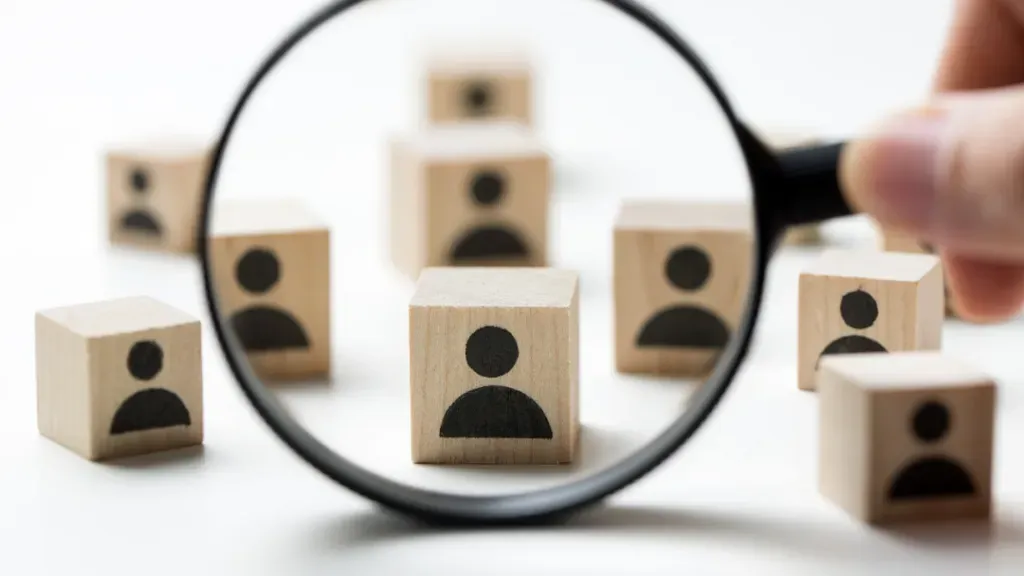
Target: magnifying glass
{"type": "Point", "coordinates": [483, 285]}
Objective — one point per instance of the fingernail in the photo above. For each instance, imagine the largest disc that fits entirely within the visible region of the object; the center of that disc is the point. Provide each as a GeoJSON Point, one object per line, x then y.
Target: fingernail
{"type": "Point", "coordinates": [894, 168]}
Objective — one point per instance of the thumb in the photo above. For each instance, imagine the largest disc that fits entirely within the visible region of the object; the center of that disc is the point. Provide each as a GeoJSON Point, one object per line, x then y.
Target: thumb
{"type": "Point", "coordinates": [951, 174]}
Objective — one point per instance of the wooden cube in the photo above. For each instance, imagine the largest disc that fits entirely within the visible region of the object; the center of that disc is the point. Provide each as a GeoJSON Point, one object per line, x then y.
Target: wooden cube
{"type": "Point", "coordinates": [154, 192]}
{"type": "Point", "coordinates": [892, 241]}
{"type": "Point", "coordinates": [682, 274]}
{"type": "Point", "coordinates": [857, 301]}
{"type": "Point", "coordinates": [906, 437]}
{"type": "Point", "coordinates": [271, 262]}
{"type": "Point", "coordinates": [479, 86]}
{"type": "Point", "coordinates": [494, 366]}
{"type": "Point", "coordinates": [119, 378]}
{"type": "Point", "coordinates": [469, 195]}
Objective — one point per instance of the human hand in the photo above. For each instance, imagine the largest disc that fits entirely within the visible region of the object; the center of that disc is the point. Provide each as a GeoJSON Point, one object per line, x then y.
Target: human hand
{"type": "Point", "coordinates": [952, 174]}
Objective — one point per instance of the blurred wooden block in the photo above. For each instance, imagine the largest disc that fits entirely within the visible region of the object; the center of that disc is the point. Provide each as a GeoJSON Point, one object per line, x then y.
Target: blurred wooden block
{"type": "Point", "coordinates": [469, 195]}
{"type": "Point", "coordinates": [857, 301]}
{"type": "Point", "coordinates": [682, 274]}
{"type": "Point", "coordinates": [892, 241]}
{"type": "Point", "coordinates": [906, 437]}
{"type": "Point", "coordinates": [478, 85]}
{"type": "Point", "coordinates": [271, 264]}
{"type": "Point", "coordinates": [154, 192]}
{"type": "Point", "coordinates": [119, 378]}
{"type": "Point", "coordinates": [495, 366]}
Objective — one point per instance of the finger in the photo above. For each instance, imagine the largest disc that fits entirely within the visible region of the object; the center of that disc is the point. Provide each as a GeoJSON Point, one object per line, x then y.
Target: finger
{"type": "Point", "coordinates": [984, 291]}
{"type": "Point", "coordinates": [984, 46]}
{"type": "Point", "coordinates": [951, 174]}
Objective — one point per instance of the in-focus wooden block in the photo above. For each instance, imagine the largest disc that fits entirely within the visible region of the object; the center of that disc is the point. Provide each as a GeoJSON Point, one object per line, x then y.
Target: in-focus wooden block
{"type": "Point", "coordinates": [906, 437]}
{"type": "Point", "coordinates": [857, 301]}
{"type": "Point", "coordinates": [271, 262]}
{"type": "Point", "coordinates": [475, 85]}
{"type": "Point", "coordinates": [682, 274]}
{"type": "Point", "coordinates": [469, 195]}
{"type": "Point", "coordinates": [892, 241]}
{"type": "Point", "coordinates": [495, 366]}
{"type": "Point", "coordinates": [154, 192]}
{"type": "Point", "coordinates": [119, 378]}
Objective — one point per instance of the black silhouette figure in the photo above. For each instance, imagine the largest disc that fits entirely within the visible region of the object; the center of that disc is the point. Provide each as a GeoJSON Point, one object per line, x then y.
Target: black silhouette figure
{"type": "Point", "coordinates": [688, 268]}
{"type": "Point", "coordinates": [859, 311]}
{"type": "Point", "coordinates": [492, 242]}
{"type": "Point", "coordinates": [139, 220]}
{"type": "Point", "coordinates": [934, 476]}
{"type": "Point", "coordinates": [264, 328]}
{"type": "Point", "coordinates": [478, 98]}
{"type": "Point", "coordinates": [494, 411]}
{"type": "Point", "coordinates": [151, 408]}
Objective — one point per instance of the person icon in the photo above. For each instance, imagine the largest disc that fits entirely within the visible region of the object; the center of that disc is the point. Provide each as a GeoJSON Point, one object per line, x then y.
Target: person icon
{"type": "Point", "coordinates": [859, 311]}
{"type": "Point", "coordinates": [689, 325]}
{"type": "Point", "coordinates": [478, 98]}
{"type": "Point", "coordinates": [494, 411]}
{"type": "Point", "coordinates": [494, 242]}
{"type": "Point", "coordinates": [934, 476]}
{"type": "Point", "coordinates": [139, 220]}
{"type": "Point", "coordinates": [150, 408]}
{"type": "Point", "coordinates": [263, 327]}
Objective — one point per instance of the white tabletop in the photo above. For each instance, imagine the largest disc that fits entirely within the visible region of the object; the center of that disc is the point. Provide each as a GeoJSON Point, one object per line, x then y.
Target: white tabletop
{"type": "Point", "coordinates": [740, 498]}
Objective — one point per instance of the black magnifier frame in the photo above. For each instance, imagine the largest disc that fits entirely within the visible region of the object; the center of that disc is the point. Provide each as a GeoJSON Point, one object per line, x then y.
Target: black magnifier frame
{"type": "Point", "coordinates": [793, 187]}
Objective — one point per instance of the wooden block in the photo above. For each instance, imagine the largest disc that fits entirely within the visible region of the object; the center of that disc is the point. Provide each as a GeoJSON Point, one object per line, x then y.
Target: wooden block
{"type": "Point", "coordinates": [806, 235]}
{"type": "Point", "coordinates": [476, 85]}
{"type": "Point", "coordinates": [154, 192]}
{"type": "Point", "coordinates": [681, 278]}
{"type": "Point", "coordinates": [469, 195]}
{"type": "Point", "coordinates": [857, 301]}
{"type": "Point", "coordinates": [495, 366]}
{"type": "Point", "coordinates": [892, 241]}
{"type": "Point", "coordinates": [906, 437]}
{"type": "Point", "coordinates": [271, 262]}
{"type": "Point", "coordinates": [119, 378]}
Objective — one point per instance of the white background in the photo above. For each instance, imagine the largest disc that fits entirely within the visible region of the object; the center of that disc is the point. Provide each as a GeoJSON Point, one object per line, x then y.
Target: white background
{"type": "Point", "coordinates": [78, 76]}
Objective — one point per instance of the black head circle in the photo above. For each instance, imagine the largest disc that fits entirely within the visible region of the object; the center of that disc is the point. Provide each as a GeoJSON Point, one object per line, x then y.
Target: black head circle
{"type": "Point", "coordinates": [688, 268]}
{"type": "Point", "coordinates": [145, 360]}
{"type": "Point", "coordinates": [491, 351]}
{"type": "Point", "coordinates": [477, 97]}
{"type": "Point", "coordinates": [258, 270]}
{"type": "Point", "coordinates": [139, 181]}
{"type": "Point", "coordinates": [931, 421]}
{"type": "Point", "coordinates": [487, 187]}
{"type": "Point", "coordinates": [859, 309]}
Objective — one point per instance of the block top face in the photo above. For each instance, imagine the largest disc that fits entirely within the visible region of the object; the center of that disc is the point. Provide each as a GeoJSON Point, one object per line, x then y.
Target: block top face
{"type": "Point", "coordinates": [495, 288]}
{"type": "Point", "coordinates": [118, 316]}
{"type": "Point", "coordinates": [476, 59]}
{"type": "Point", "coordinates": [874, 264]}
{"type": "Point", "coordinates": [162, 149]}
{"type": "Point", "coordinates": [236, 217]}
{"type": "Point", "coordinates": [474, 140]}
{"type": "Point", "coordinates": [669, 215]}
{"type": "Point", "coordinates": [906, 371]}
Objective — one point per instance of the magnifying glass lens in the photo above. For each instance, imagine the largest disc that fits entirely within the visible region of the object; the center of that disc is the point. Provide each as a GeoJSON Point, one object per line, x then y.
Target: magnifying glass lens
{"type": "Point", "coordinates": [482, 247]}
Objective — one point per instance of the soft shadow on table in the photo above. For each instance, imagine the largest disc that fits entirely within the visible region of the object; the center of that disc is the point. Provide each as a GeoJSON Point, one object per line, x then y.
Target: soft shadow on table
{"type": "Point", "coordinates": [823, 539]}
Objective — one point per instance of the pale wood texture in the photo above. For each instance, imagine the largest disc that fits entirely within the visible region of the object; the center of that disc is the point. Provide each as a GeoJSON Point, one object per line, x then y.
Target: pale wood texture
{"type": "Point", "coordinates": [906, 291]}
{"type": "Point", "coordinates": [892, 241]}
{"type": "Point", "coordinates": [783, 139]}
{"type": "Point", "coordinates": [85, 382]}
{"type": "Point", "coordinates": [157, 187]}
{"type": "Point", "coordinates": [479, 86]}
{"type": "Point", "coordinates": [868, 438]}
{"type": "Point", "coordinates": [433, 209]}
{"type": "Point", "coordinates": [646, 235]}
{"type": "Point", "coordinates": [299, 243]}
{"type": "Point", "coordinates": [540, 308]}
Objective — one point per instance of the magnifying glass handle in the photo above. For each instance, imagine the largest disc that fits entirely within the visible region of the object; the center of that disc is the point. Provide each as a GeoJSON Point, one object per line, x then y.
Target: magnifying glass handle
{"type": "Point", "coordinates": [810, 190]}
